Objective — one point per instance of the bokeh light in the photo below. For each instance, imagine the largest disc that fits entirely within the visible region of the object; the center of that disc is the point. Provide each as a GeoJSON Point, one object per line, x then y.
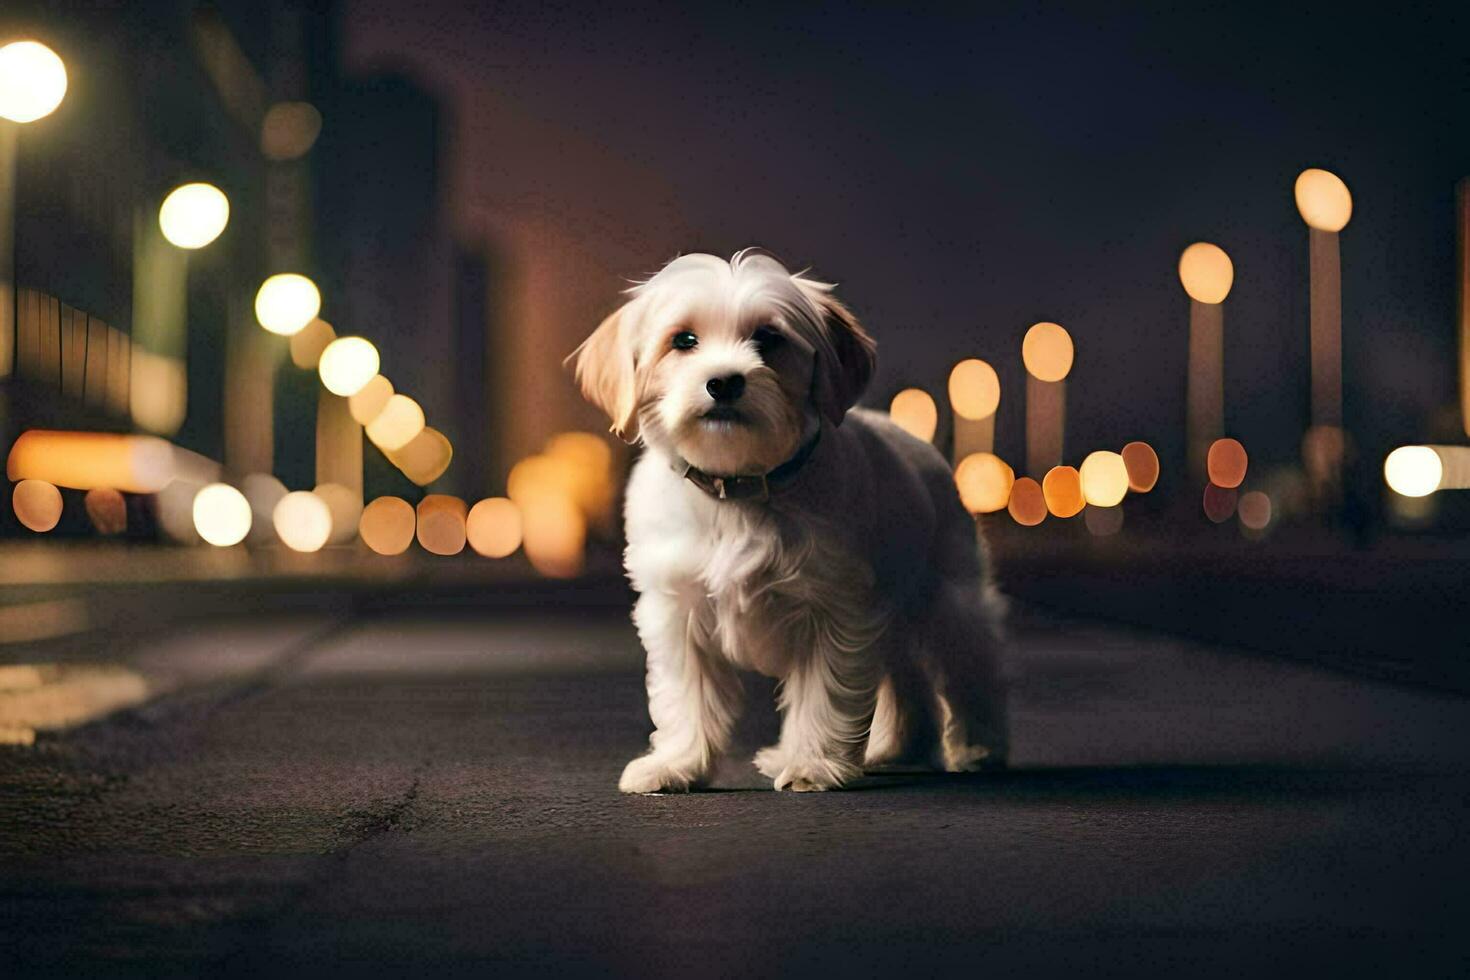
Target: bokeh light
{"type": "Point", "coordinates": [347, 364]}
{"type": "Point", "coordinates": [494, 527]}
{"type": "Point", "coordinates": [589, 459]}
{"type": "Point", "coordinates": [441, 524]}
{"type": "Point", "coordinates": [221, 515]}
{"type": "Point", "coordinates": [107, 510]}
{"type": "Point", "coordinates": [302, 521]}
{"type": "Point", "coordinates": [1104, 479]}
{"type": "Point", "coordinates": [1143, 466]}
{"type": "Point", "coordinates": [308, 343]}
{"type": "Point", "coordinates": [286, 303]}
{"type": "Point", "coordinates": [584, 480]}
{"type": "Point", "coordinates": [425, 458]}
{"type": "Point", "coordinates": [1062, 487]}
{"type": "Point", "coordinates": [1206, 273]}
{"type": "Point", "coordinates": [368, 401]}
{"type": "Point", "coordinates": [395, 426]}
{"type": "Point", "coordinates": [1219, 503]}
{"type": "Point", "coordinates": [1254, 510]}
{"type": "Point", "coordinates": [194, 215]}
{"type": "Point", "coordinates": [1047, 351]}
{"type": "Point", "coordinates": [1226, 463]}
{"type": "Point", "coordinates": [345, 506]}
{"type": "Point", "coordinates": [1027, 505]}
{"type": "Point", "coordinates": [974, 389]}
{"type": "Point", "coordinates": [1103, 522]}
{"type": "Point", "coordinates": [37, 504]}
{"type": "Point", "coordinates": [1413, 471]}
{"type": "Point", "coordinates": [554, 534]}
{"type": "Point", "coordinates": [289, 130]}
{"type": "Point", "coordinates": [914, 411]}
{"type": "Point", "coordinates": [88, 460]}
{"type": "Point", "coordinates": [32, 81]}
{"type": "Point", "coordinates": [1323, 200]}
{"type": "Point", "coordinates": [984, 481]}
{"type": "Point", "coordinates": [388, 525]}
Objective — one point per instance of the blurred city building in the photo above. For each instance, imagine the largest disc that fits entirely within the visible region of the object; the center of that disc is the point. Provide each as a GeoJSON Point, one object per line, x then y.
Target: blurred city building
{"type": "Point", "coordinates": [110, 327]}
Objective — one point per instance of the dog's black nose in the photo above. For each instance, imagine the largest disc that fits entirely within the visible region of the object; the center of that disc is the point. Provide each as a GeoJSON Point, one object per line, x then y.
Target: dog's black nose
{"type": "Point", "coordinates": [726, 389]}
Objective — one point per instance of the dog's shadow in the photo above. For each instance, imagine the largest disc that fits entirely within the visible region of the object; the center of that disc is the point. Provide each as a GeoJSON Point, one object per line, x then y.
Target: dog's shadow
{"type": "Point", "coordinates": [1136, 781]}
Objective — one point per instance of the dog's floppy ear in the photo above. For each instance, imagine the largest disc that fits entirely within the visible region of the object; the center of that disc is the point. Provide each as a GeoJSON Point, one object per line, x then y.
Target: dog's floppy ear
{"type": "Point", "coordinates": [607, 373]}
{"type": "Point", "coordinates": [845, 363]}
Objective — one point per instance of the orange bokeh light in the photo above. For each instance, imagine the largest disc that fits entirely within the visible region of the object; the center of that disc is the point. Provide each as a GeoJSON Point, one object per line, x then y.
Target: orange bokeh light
{"type": "Point", "coordinates": [915, 412]}
{"type": "Point", "coordinates": [494, 527]}
{"type": "Point", "coordinates": [1027, 504]}
{"type": "Point", "coordinates": [974, 389]}
{"type": "Point", "coordinates": [37, 504]}
{"type": "Point", "coordinates": [1062, 488]}
{"type": "Point", "coordinates": [441, 524]}
{"type": "Point", "coordinates": [1047, 351]}
{"type": "Point", "coordinates": [1143, 466]}
{"type": "Point", "coordinates": [387, 525]}
{"type": "Point", "coordinates": [984, 481]}
{"type": "Point", "coordinates": [1226, 463]}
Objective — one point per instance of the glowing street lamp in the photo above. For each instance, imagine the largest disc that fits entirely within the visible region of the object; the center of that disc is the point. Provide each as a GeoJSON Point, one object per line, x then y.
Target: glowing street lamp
{"type": "Point", "coordinates": [974, 394]}
{"type": "Point", "coordinates": [194, 215]}
{"type": "Point", "coordinates": [32, 81]}
{"type": "Point", "coordinates": [1207, 274]}
{"type": "Point", "coordinates": [32, 85]}
{"type": "Point", "coordinates": [1048, 353]}
{"type": "Point", "coordinates": [1326, 206]}
{"type": "Point", "coordinates": [286, 303]}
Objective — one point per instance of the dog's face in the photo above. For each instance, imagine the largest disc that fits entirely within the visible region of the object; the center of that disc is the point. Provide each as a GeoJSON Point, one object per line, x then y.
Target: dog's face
{"type": "Point", "coordinates": [723, 362]}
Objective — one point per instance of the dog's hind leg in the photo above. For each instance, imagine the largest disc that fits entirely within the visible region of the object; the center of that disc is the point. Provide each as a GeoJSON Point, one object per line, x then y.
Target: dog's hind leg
{"type": "Point", "coordinates": [905, 731]}
{"type": "Point", "coordinates": [965, 645]}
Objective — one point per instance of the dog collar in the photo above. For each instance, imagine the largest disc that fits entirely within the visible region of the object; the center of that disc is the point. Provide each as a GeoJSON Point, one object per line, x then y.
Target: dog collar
{"type": "Point", "coordinates": [755, 487]}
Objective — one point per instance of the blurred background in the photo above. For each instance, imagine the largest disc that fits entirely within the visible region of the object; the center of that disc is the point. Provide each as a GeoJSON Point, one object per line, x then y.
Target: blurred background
{"type": "Point", "coordinates": [288, 287]}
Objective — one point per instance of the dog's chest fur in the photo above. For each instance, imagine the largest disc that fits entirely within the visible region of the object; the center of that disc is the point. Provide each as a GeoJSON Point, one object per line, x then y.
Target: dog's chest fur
{"type": "Point", "coordinates": [762, 587]}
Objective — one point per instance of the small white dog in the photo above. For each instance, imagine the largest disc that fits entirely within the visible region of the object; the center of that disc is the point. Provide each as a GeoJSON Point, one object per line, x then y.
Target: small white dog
{"type": "Point", "coordinates": [772, 529]}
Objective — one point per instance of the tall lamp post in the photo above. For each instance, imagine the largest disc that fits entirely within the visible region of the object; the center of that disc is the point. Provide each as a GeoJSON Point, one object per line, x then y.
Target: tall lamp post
{"type": "Point", "coordinates": [32, 85]}
{"type": "Point", "coordinates": [1206, 273]}
{"type": "Point", "coordinates": [1326, 206]}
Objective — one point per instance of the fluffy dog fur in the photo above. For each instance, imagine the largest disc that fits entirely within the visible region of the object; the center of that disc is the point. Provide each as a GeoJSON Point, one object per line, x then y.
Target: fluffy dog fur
{"type": "Point", "coordinates": [860, 583]}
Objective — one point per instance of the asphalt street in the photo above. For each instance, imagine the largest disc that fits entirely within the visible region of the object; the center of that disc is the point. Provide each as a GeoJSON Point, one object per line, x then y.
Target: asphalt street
{"type": "Point", "coordinates": [435, 793]}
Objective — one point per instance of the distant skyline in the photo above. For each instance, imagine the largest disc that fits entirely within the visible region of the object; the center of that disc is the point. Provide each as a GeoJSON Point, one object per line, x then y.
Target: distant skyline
{"type": "Point", "coordinates": [963, 175]}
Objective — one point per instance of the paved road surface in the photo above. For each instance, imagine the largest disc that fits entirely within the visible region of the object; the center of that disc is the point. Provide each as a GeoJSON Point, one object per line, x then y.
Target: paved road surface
{"type": "Point", "coordinates": [431, 794]}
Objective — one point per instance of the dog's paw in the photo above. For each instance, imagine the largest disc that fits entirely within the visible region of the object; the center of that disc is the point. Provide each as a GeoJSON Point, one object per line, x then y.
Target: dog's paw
{"type": "Point", "coordinates": [651, 774]}
{"type": "Point", "coordinates": [815, 775]}
{"type": "Point", "coordinates": [972, 758]}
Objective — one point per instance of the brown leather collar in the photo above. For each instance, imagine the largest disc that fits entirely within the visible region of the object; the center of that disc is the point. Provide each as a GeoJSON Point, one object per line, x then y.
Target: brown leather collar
{"type": "Point", "coordinates": [756, 487]}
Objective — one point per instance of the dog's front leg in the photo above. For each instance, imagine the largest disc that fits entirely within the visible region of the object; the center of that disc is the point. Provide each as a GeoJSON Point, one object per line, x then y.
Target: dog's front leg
{"type": "Point", "coordinates": [693, 696]}
{"type": "Point", "coordinates": [827, 703]}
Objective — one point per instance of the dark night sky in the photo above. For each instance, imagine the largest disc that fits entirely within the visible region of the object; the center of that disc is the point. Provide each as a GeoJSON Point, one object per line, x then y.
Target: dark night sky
{"type": "Point", "coordinates": [965, 172]}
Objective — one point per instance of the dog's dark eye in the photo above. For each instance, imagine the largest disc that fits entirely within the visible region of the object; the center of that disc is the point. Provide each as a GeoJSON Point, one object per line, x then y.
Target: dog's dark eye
{"type": "Point", "coordinates": [684, 340]}
{"type": "Point", "coordinates": [767, 339]}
